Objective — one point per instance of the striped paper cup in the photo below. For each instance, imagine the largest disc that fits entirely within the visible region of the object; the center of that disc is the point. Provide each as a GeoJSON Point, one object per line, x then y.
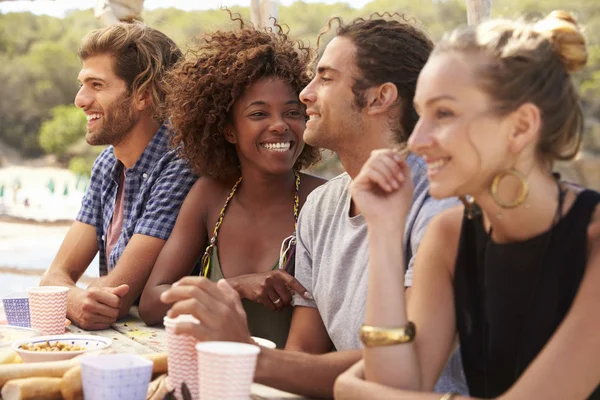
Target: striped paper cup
{"type": "Point", "coordinates": [226, 370]}
{"type": "Point", "coordinates": [48, 309]}
{"type": "Point", "coordinates": [182, 357]}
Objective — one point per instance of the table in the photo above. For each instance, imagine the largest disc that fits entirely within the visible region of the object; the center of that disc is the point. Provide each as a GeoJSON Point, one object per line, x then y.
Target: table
{"type": "Point", "coordinates": [132, 335]}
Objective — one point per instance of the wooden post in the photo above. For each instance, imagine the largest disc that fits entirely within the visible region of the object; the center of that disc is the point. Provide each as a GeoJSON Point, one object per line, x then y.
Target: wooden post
{"type": "Point", "coordinates": [261, 12]}
{"type": "Point", "coordinates": [255, 12]}
{"type": "Point", "coordinates": [268, 11]}
{"type": "Point", "coordinates": [113, 11]}
{"type": "Point", "coordinates": [478, 11]}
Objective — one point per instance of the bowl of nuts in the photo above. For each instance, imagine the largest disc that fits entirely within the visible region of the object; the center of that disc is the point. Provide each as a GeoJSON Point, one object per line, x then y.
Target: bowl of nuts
{"type": "Point", "coordinates": [58, 347]}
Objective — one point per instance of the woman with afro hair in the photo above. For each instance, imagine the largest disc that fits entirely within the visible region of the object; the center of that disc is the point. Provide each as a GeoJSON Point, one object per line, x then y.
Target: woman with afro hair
{"type": "Point", "coordinates": [239, 123]}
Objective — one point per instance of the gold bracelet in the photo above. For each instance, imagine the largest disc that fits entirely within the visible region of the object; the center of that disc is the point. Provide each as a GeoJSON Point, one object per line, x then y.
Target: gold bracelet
{"type": "Point", "coordinates": [449, 396]}
{"type": "Point", "coordinates": [378, 336]}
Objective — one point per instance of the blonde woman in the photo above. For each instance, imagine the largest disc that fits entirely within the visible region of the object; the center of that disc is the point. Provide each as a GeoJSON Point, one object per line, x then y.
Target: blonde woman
{"type": "Point", "coordinates": [515, 272]}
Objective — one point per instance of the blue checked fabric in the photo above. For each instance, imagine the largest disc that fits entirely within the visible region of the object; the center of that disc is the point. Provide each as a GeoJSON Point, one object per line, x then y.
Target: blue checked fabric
{"type": "Point", "coordinates": [155, 188]}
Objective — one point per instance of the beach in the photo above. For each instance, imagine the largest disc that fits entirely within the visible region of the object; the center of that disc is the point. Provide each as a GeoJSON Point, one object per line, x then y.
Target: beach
{"type": "Point", "coordinates": [27, 250]}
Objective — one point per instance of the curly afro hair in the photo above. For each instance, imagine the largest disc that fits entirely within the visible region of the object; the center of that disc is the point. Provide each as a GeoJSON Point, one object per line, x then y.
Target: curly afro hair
{"type": "Point", "coordinates": [204, 86]}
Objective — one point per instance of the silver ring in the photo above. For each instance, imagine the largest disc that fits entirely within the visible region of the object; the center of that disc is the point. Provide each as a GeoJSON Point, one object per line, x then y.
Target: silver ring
{"type": "Point", "coordinates": [277, 301]}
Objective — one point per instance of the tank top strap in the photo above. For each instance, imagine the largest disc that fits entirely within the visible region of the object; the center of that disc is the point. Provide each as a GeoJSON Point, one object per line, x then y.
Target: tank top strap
{"type": "Point", "coordinates": [584, 206]}
{"type": "Point", "coordinates": [213, 241]}
{"type": "Point", "coordinates": [287, 247]}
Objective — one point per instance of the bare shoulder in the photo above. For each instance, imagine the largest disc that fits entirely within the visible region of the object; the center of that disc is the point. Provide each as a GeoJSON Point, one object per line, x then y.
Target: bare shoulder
{"type": "Point", "coordinates": [594, 229]}
{"type": "Point", "coordinates": [447, 223]}
{"type": "Point", "coordinates": [205, 194]}
{"type": "Point", "coordinates": [308, 183]}
{"type": "Point", "coordinates": [207, 190]}
{"type": "Point", "coordinates": [440, 242]}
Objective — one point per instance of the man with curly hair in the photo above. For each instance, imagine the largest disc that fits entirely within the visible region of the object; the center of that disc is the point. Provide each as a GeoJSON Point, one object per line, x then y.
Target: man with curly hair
{"type": "Point", "coordinates": [138, 183]}
{"type": "Point", "coordinates": [360, 100]}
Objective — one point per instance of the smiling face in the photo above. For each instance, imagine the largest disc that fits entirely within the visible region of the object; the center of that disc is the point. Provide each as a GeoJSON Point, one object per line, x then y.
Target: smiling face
{"type": "Point", "coordinates": [104, 99]}
{"type": "Point", "coordinates": [267, 125]}
{"type": "Point", "coordinates": [329, 99]}
{"type": "Point", "coordinates": [463, 142]}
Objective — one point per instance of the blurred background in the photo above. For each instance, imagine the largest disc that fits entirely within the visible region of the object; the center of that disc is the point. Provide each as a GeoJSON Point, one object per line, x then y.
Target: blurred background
{"type": "Point", "coordinates": [45, 161]}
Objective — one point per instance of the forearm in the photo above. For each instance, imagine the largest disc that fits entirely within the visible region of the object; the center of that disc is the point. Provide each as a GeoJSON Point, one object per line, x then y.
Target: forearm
{"type": "Point", "coordinates": [152, 309]}
{"type": "Point", "coordinates": [305, 374]}
{"type": "Point", "coordinates": [351, 388]}
{"type": "Point", "coordinates": [397, 365]}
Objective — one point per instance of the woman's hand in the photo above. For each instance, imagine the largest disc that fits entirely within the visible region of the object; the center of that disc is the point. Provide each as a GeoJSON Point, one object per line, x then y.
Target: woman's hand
{"type": "Point", "coordinates": [273, 289]}
{"type": "Point", "coordinates": [383, 189]}
{"type": "Point", "coordinates": [345, 383]}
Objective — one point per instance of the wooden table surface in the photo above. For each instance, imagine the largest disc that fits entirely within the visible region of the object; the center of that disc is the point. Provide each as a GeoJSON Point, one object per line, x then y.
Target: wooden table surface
{"type": "Point", "coordinates": [131, 335]}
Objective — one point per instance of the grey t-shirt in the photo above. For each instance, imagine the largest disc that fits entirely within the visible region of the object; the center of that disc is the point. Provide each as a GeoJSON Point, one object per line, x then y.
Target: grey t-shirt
{"type": "Point", "coordinates": [332, 259]}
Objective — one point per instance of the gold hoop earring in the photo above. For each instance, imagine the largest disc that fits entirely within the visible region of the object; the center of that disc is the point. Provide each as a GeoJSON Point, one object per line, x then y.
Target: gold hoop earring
{"type": "Point", "coordinates": [522, 193]}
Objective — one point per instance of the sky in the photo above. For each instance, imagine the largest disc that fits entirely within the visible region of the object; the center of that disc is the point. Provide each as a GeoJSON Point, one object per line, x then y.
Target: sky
{"type": "Point", "coordinates": [58, 8]}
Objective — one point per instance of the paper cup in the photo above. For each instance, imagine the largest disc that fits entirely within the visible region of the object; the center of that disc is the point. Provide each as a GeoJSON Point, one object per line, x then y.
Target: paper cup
{"type": "Point", "coordinates": [16, 308]}
{"type": "Point", "coordinates": [182, 357]}
{"type": "Point", "coordinates": [48, 309]}
{"type": "Point", "coordinates": [226, 369]}
{"type": "Point", "coordinates": [115, 377]}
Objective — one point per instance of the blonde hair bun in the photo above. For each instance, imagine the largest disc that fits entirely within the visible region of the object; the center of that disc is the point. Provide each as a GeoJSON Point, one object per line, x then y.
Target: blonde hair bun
{"type": "Point", "coordinates": [562, 29]}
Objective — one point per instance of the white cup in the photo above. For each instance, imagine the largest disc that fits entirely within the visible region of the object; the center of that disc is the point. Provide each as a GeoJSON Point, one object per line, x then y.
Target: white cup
{"type": "Point", "coordinates": [115, 377]}
{"type": "Point", "coordinates": [226, 370]}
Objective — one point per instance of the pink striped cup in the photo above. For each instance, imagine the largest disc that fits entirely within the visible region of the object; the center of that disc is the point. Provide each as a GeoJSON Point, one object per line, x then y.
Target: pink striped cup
{"type": "Point", "coordinates": [48, 309]}
{"type": "Point", "coordinates": [182, 357]}
{"type": "Point", "coordinates": [226, 369]}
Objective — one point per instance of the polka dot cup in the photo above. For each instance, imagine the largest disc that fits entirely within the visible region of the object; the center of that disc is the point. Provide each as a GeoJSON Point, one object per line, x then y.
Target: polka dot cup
{"type": "Point", "coordinates": [16, 308]}
{"type": "Point", "coordinates": [115, 377]}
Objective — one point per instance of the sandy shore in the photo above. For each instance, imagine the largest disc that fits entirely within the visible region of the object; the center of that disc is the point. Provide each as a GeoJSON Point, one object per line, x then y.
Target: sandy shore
{"type": "Point", "coordinates": [26, 251]}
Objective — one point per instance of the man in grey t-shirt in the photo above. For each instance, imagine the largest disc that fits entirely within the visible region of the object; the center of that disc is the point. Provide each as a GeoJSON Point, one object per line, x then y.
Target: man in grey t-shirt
{"type": "Point", "coordinates": [360, 100]}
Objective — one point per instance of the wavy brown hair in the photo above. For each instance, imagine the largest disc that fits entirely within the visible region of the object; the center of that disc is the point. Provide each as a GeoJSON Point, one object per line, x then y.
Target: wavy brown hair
{"type": "Point", "coordinates": [141, 55]}
{"type": "Point", "coordinates": [389, 48]}
{"type": "Point", "coordinates": [213, 76]}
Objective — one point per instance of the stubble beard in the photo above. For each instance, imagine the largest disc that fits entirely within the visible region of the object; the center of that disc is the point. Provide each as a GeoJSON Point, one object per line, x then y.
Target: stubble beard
{"type": "Point", "coordinates": [118, 120]}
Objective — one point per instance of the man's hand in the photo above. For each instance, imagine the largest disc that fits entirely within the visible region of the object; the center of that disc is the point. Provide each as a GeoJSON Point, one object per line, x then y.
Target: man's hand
{"type": "Point", "coordinates": [216, 305]}
{"type": "Point", "coordinates": [273, 289]}
{"type": "Point", "coordinates": [97, 307]}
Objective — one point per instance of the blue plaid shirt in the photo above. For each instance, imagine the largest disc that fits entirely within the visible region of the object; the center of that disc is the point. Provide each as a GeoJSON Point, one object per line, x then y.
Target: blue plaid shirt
{"type": "Point", "coordinates": [155, 188]}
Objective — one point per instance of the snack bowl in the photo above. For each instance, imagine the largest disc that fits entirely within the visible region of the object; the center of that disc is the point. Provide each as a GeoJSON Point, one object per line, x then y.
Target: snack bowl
{"type": "Point", "coordinates": [10, 334]}
{"type": "Point", "coordinates": [264, 342]}
{"type": "Point", "coordinates": [86, 343]}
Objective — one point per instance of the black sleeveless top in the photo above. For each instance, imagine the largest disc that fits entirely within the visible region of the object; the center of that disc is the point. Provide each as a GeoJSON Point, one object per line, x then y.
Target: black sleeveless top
{"type": "Point", "coordinates": [510, 298]}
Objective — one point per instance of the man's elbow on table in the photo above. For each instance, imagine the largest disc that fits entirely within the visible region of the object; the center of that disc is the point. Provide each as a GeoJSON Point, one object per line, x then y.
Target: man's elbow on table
{"type": "Point", "coordinates": [148, 313]}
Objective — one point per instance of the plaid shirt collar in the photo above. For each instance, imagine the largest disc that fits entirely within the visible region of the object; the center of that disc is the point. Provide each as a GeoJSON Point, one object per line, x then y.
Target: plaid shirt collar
{"type": "Point", "coordinates": [156, 149]}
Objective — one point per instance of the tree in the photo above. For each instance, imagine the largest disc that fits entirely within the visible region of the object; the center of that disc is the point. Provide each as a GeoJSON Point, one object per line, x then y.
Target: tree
{"type": "Point", "coordinates": [68, 124]}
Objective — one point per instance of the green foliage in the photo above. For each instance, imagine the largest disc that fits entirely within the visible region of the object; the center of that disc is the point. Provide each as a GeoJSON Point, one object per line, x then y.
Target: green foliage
{"type": "Point", "coordinates": [81, 165]}
{"type": "Point", "coordinates": [39, 65]}
{"type": "Point", "coordinates": [68, 125]}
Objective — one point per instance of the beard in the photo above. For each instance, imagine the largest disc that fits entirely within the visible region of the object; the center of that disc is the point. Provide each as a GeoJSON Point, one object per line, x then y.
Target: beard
{"type": "Point", "coordinates": [334, 134]}
{"type": "Point", "coordinates": [118, 120]}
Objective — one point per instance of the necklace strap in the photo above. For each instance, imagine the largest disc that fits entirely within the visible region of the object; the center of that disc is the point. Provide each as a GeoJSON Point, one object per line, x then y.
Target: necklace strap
{"type": "Point", "coordinates": [213, 241]}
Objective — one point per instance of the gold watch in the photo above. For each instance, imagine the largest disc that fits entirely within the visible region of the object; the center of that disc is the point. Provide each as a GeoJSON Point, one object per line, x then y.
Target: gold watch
{"type": "Point", "coordinates": [378, 336]}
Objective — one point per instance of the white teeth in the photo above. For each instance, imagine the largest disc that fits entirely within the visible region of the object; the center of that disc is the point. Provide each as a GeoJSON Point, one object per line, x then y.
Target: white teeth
{"type": "Point", "coordinates": [436, 164]}
{"type": "Point", "coordinates": [91, 117]}
{"type": "Point", "coordinates": [280, 147]}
